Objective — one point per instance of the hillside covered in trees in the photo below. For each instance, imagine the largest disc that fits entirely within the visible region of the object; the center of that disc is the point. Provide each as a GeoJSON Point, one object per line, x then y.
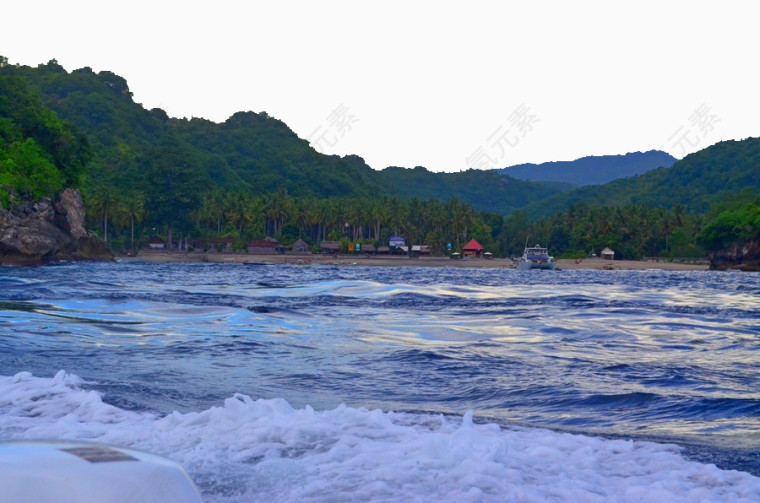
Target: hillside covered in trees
{"type": "Point", "coordinates": [39, 153]}
{"type": "Point", "coordinates": [696, 182]}
{"type": "Point", "coordinates": [483, 189]}
{"type": "Point", "coordinates": [249, 151]}
{"type": "Point", "coordinates": [145, 173]}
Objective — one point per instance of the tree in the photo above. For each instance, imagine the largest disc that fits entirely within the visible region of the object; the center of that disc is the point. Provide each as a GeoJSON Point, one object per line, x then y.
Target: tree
{"type": "Point", "coordinates": [135, 209]}
{"type": "Point", "coordinates": [279, 208]}
{"type": "Point", "coordinates": [39, 154]}
{"type": "Point", "coordinates": [173, 182]}
{"type": "Point", "coordinates": [101, 202]}
{"type": "Point", "coordinates": [731, 227]}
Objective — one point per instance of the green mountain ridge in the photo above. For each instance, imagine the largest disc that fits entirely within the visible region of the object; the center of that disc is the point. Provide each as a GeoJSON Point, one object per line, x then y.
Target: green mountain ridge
{"type": "Point", "coordinates": [696, 182]}
{"type": "Point", "coordinates": [249, 151]}
{"type": "Point", "coordinates": [482, 189]}
{"type": "Point", "coordinates": [253, 152]}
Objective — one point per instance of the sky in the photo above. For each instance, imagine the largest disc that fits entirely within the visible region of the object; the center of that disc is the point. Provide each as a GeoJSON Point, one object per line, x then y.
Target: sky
{"type": "Point", "coordinates": [445, 85]}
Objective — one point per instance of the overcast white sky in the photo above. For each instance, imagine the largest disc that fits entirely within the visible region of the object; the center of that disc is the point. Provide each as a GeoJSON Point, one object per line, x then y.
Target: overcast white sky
{"type": "Point", "coordinates": [445, 85]}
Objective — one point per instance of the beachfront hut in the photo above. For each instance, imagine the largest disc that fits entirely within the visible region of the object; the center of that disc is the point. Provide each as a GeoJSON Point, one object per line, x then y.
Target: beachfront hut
{"type": "Point", "coordinates": [608, 254]}
{"type": "Point", "coordinates": [418, 250]}
{"type": "Point", "coordinates": [329, 247]}
{"type": "Point", "coordinates": [383, 250]}
{"type": "Point", "coordinates": [156, 243]}
{"type": "Point", "coordinates": [473, 248]}
{"type": "Point", "coordinates": [301, 247]}
{"type": "Point", "coordinates": [262, 246]}
{"type": "Point", "coordinates": [221, 244]}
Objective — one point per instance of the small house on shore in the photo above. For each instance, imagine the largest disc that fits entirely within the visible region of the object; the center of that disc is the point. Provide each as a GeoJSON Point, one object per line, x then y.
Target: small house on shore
{"type": "Point", "coordinates": [214, 244]}
{"type": "Point", "coordinates": [300, 247]}
{"type": "Point", "coordinates": [419, 250]}
{"type": "Point", "coordinates": [263, 246]}
{"type": "Point", "coordinates": [329, 247]}
{"type": "Point", "coordinates": [607, 254]}
{"type": "Point", "coordinates": [156, 243]}
{"type": "Point", "coordinates": [473, 248]}
{"type": "Point", "coordinates": [220, 244]}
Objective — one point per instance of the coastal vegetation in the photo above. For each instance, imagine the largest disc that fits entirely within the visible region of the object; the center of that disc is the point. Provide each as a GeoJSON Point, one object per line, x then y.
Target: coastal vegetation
{"type": "Point", "coordinates": [697, 182]}
{"type": "Point", "coordinates": [39, 154]}
{"type": "Point", "coordinates": [143, 173]}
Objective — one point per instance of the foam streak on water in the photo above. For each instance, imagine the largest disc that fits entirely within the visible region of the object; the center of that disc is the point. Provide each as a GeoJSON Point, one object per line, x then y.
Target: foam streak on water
{"type": "Point", "coordinates": [347, 383]}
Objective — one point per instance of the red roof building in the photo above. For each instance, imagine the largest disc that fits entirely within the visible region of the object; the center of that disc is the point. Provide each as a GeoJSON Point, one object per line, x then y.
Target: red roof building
{"type": "Point", "coordinates": [473, 248]}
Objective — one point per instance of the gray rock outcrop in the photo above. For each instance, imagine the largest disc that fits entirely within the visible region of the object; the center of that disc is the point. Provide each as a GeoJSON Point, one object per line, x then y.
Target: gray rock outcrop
{"type": "Point", "coordinates": [742, 256]}
{"type": "Point", "coordinates": [40, 232]}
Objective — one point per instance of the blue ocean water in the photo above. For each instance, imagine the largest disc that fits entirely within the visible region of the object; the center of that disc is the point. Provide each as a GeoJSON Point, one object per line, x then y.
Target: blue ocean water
{"type": "Point", "coordinates": [330, 383]}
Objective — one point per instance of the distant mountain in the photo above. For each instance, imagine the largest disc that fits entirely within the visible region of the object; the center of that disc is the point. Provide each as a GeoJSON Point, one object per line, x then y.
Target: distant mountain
{"type": "Point", "coordinates": [591, 170]}
{"type": "Point", "coordinates": [483, 190]}
{"type": "Point", "coordinates": [696, 182]}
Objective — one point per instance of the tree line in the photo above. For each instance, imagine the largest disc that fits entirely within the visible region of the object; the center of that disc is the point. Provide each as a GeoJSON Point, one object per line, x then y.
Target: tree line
{"type": "Point", "coordinates": [245, 216]}
{"type": "Point", "coordinates": [633, 231]}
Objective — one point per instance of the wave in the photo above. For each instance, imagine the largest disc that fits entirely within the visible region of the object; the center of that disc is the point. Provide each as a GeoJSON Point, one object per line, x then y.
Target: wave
{"type": "Point", "coordinates": [266, 450]}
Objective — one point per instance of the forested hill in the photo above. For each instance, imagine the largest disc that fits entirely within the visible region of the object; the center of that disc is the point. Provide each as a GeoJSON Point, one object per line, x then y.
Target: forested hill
{"type": "Point", "coordinates": [484, 190]}
{"type": "Point", "coordinates": [591, 170]}
{"type": "Point", "coordinates": [696, 182]}
{"type": "Point", "coordinates": [139, 150]}
{"type": "Point", "coordinates": [249, 151]}
{"type": "Point", "coordinates": [260, 153]}
{"type": "Point", "coordinates": [174, 163]}
{"type": "Point", "coordinates": [39, 154]}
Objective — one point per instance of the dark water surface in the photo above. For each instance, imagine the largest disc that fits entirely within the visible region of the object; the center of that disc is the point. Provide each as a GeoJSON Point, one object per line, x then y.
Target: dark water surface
{"type": "Point", "coordinates": [646, 355]}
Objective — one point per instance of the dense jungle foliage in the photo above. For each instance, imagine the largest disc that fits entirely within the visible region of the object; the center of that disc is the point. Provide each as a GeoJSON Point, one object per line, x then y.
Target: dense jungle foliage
{"type": "Point", "coordinates": [698, 181]}
{"type": "Point", "coordinates": [39, 154]}
{"type": "Point", "coordinates": [144, 173]}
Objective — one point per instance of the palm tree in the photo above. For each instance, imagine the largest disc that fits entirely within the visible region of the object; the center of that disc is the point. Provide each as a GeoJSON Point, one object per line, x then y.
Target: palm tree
{"type": "Point", "coordinates": [315, 217]}
{"type": "Point", "coordinates": [135, 209]}
{"type": "Point", "coordinates": [461, 218]}
{"type": "Point", "coordinates": [101, 201]}
{"type": "Point", "coordinates": [302, 208]}
{"type": "Point", "coordinates": [397, 214]}
{"type": "Point", "coordinates": [232, 209]}
{"type": "Point", "coordinates": [378, 211]}
{"type": "Point", "coordinates": [280, 208]}
{"type": "Point", "coordinates": [216, 208]}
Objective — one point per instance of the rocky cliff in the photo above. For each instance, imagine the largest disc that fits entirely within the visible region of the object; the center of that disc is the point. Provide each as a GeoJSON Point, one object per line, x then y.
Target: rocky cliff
{"type": "Point", "coordinates": [744, 256]}
{"type": "Point", "coordinates": [44, 231]}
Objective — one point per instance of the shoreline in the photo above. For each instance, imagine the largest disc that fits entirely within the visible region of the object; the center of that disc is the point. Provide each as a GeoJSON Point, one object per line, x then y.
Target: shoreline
{"type": "Point", "coordinates": [395, 261]}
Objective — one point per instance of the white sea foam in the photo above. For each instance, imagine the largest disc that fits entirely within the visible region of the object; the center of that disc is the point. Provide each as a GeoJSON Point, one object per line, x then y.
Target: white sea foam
{"type": "Point", "coordinates": [265, 450]}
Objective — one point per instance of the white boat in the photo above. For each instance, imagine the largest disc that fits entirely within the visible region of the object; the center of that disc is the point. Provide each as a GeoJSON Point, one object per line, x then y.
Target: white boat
{"type": "Point", "coordinates": [53, 472]}
{"type": "Point", "coordinates": [536, 257]}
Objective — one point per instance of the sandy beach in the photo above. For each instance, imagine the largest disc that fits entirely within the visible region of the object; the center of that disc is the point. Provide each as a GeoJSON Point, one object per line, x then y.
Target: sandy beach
{"type": "Point", "coordinates": [397, 261]}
